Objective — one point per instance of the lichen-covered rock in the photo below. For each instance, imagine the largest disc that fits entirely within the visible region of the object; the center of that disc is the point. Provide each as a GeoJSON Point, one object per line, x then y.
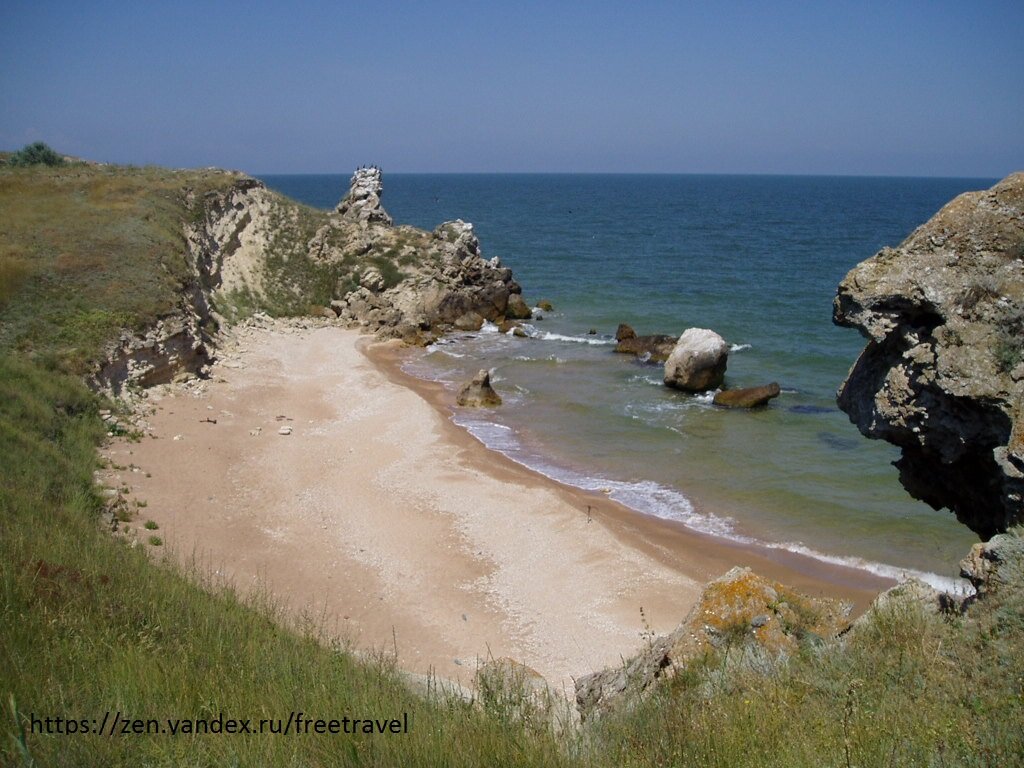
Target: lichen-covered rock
{"type": "Point", "coordinates": [747, 397]}
{"type": "Point", "coordinates": [739, 609]}
{"type": "Point", "coordinates": [698, 361]}
{"type": "Point", "coordinates": [478, 392]}
{"type": "Point", "coordinates": [941, 376]}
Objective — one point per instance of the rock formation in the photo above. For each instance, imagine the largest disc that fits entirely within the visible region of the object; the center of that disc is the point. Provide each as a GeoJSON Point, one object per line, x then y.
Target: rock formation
{"type": "Point", "coordinates": [656, 348]}
{"type": "Point", "coordinates": [478, 392]}
{"type": "Point", "coordinates": [517, 308]}
{"type": "Point", "coordinates": [362, 203]}
{"type": "Point", "coordinates": [740, 610]}
{"type": "Point", "coordinates": [698, 361]}
{"type": "Point", "coordinates": [251, 249]}
{"type": "Point", "coordinates": [942, 376]}
{"type": "Point", "coordinates": [995, 563]}
{"type": "Point", "coordinates": [748, 397]}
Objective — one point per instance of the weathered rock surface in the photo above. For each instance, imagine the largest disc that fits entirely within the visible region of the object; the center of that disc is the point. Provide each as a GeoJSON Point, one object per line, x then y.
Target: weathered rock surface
{"type": "Point", "coordinates": [478, 392]}
{"type": "Point", "coordinates": [252, 249]}
{"type": "Point", "coordinates": [747, 397]}
{"type": "Point", "coordinates": [517, 309]}
{"type": "Point", "coordinates": [176, 344]}
{"type": "Point", "coordinates": [942, 374]}
{"type": "Point", "coordinates": [740, 609]}
{"type": "Point", "coordinates": [997, 562]}
{"type": "Point", "coordinates": [656, 347]}
{"type": "Point", "coordinates": [362, 203]}
{"type": "Point", "coordinates": [698, 361]}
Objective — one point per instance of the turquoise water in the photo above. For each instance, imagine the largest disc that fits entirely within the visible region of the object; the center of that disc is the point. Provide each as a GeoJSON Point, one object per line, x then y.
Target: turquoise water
{"type": "Point", "coordinates": [756, 259]}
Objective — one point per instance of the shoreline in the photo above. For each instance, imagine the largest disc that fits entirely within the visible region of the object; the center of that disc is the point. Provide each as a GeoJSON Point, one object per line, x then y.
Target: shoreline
{"type": "Point", "coordinates": [409, 533]}
{"type": "Point", "coordinates": [704, 556]}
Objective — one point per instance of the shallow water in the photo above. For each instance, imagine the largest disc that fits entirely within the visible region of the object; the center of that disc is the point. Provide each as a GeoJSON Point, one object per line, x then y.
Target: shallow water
{"type": "Point", "coordinates": [755, 258]}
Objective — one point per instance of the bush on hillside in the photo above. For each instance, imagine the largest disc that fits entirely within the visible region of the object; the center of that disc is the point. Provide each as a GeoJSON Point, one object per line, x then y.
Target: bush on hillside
{"type": "Point", "coordinates": [38, 153]}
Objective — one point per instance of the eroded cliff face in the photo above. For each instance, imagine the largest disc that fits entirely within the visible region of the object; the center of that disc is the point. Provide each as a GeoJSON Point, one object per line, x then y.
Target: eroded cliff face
{"type": "Point", "coordinates": [942, 375]}
{"type": "Point", "coordinates": [252, 249]}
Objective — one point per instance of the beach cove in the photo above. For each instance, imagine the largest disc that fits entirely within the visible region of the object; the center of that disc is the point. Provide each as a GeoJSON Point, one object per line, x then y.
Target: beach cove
{"type": "Point", "coordinates": [406, 534]}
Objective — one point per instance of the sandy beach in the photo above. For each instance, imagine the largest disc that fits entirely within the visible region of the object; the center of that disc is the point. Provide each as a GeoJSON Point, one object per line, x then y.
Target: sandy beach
{"type": "Point", "coordinates": [394, 529]}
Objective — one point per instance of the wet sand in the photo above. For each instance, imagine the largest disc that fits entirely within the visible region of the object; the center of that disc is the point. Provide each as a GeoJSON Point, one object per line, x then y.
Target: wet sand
{"type": "Point", "coordinates": [393, 528]}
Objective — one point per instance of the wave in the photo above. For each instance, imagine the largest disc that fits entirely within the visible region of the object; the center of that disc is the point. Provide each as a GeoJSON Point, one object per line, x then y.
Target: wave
{"type": "Point", "coordinates": [650, 498]}
{"type": "Point", "coordinates": [738, 347]}
{"type": "Point", "coordinates": [593, 340]}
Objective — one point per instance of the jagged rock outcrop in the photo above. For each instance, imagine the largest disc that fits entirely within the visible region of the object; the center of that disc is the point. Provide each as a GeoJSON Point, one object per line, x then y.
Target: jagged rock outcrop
{"type": "Point", "coordinates": [993, 564]}
{"type": "Point", "coordinates": [942, 376]}
{"type": "Point", "coordinates": [654, 348]}
{"type": "Point", "coordinates": [252, 249]}
{"type": "Point", "coordinates": [698, 361]}
{"type": "Point", "coordinates": [362, 203]}
{"type": "Point", "coordinates": [478, 392]}
{"type": "Point", "coordinates": [761, 618]}
{"type": "Point", "coordinates": [747, 397]}
{"type": "Point", "coordinates": [176, 344]}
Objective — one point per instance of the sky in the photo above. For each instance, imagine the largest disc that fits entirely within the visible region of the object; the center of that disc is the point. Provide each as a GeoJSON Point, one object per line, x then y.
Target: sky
{"type": "Point", "coordinates": [866, 88]}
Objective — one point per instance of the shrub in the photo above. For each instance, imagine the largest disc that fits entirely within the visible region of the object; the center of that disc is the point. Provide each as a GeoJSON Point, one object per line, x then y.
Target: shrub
{"type": "Point", "coordinates": [38, 153]}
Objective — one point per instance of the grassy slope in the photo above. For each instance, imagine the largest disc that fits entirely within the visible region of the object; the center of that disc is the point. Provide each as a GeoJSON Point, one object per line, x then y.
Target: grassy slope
{"type": "Point", "coordinates": [89, 624]}
{"type": "Point", "coordinates": [88, 250]}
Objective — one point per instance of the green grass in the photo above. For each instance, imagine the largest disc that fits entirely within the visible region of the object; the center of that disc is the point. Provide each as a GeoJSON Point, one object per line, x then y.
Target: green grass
{"type": "Point", "coordinates": [86, 251]}
{"type": "Point", "coordinates": [910, 689]}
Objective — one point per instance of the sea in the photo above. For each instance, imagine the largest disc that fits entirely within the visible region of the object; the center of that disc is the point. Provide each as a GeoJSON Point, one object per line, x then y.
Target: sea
{"type": "Point", "coordinates": [755, 258]}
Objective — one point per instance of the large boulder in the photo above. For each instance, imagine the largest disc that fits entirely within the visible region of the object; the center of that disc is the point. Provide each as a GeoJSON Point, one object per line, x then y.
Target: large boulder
{"type": "Point", "coordinates": [478, 392]}
{"type": "Point", "coordinates": [747, 397]}
{"type": "Point", "coordinates": [516, 308]}
{"type": "Point", "coordinates": [942, 375]}
{"type": "Point", "coordinates": [698, 361]}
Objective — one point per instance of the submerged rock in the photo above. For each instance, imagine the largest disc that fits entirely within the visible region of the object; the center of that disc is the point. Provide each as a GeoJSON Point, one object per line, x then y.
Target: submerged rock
{"type": "Point", "coordinates": [478, 393]}
{"type": "Point", "coordinates": [941, 374]}
{"type": "Point", "coordinates": [698, 361]}
{"type": "Point", "coordinates": [656, 348]}
{"type": "Point", "coordinates": [749, 397]}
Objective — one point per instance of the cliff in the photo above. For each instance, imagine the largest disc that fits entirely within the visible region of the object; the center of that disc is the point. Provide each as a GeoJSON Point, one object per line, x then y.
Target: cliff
{"type": "Point", "coordinates": [942, 375]}
{"type": "Point", "coordinates": [126, 275]}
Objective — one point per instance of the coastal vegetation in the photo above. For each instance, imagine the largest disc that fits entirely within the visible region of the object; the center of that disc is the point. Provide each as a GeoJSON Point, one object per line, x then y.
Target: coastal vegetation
{"type": "Point", "coordinates": [92, 624]}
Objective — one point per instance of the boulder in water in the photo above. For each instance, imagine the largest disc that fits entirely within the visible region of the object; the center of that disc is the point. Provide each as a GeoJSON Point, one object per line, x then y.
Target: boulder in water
{"type": "Point", "coordinates": [698, 361]}
{"type": "Point", "coordinates": [516, 308]}
{"type": "Point", "coordinates": [478, 393]}
{"type": "Point", "coordinates": [747, 397]}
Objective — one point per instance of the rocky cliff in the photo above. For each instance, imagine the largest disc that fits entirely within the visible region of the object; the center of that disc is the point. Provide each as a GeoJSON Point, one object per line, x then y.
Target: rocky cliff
{"type": "Point", "coordinates": [942, 375]}
{"type": "Point", "coordinates": [251, 249]}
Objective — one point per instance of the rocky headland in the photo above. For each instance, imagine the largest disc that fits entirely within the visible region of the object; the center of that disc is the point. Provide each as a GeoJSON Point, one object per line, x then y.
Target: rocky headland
{"type": "Point", "coordinates": [251, 249]}
{"type": "Point", "coordinates": [942, 375]}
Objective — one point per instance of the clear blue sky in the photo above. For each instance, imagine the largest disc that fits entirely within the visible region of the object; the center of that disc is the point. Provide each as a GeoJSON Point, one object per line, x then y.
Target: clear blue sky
{"type": "Point", "coordinates": [893, 88]}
